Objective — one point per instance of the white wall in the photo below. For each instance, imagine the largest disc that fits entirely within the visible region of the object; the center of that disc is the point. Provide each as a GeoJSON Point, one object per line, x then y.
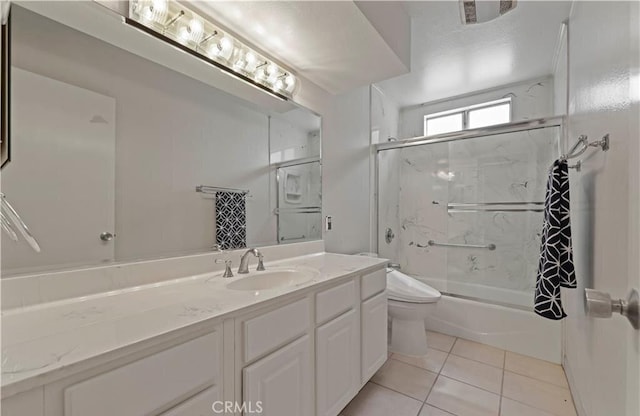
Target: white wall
{"type": "Point", "coordinates": [172, 133]}
{"type": "Point", "coordinates": [531, 99]}
{"type": "Point", "coordinates": [601, 355]}
{"type": "Point", "coordinates": [345, 171]}
{"type": "Point", "coordinates": [560, 76]}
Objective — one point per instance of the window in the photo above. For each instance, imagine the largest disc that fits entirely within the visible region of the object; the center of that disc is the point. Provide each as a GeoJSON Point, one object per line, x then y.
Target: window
{"type": "Point", "coordinates": [473, 117]}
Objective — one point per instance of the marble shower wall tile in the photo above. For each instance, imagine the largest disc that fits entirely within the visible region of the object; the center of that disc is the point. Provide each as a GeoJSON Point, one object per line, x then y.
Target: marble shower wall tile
{"type": "Point", "coordinates": [416, 184]}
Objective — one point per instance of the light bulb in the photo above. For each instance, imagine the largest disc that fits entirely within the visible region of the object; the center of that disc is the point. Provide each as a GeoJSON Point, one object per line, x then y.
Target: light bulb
{"type": "Point", "coordinates": [290, 81]}
{"type": "Point", "coordinates": [159, 5]}
{"type": "Point", "coordinates": [271, 69]}
{"type": "Point", "coordinates": [250, 57]}
{"type": "Point", "coordinates": [192, 31]}
{"type": "Point", "coordinates": [252, 62]}
{"type": "Point", "coordinates": [183, 33]}
{"type": "Point", "coordinates": [214, 50]}
{"type": "Point", "coordinates": [195, 28]}
{"type": "Point", "coordinates": [279, 84]}
{"type": "Point", "coordinates": [225, 44]}
{"type": "Point", "coordinates": [260, 74]}
{"type": "Point", "coordinates": [155, 10]}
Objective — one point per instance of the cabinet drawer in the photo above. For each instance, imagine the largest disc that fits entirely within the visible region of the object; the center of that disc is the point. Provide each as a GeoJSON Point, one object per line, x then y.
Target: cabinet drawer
{"type": "Point", "coordinates": [333, 302]}
{"type": "Point", "coordinates": [273, 329]}
{"type": "Point", "coordinates": [144, 386]}
{"type": "Point", "coordinates": [205, 403]}
{"type": "Point", "coordinates": [373, 283]}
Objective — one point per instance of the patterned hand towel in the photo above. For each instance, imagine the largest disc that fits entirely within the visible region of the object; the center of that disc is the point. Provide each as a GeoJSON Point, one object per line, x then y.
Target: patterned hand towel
{"type": "Point", "coordinates": [555, 268]}
{"type": "Point", "coordinates": [231, 220]}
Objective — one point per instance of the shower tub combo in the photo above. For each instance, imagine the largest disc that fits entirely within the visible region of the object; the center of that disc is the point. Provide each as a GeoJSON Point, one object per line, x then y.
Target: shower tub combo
{"type": "Point", "coordinates": [462, 212]}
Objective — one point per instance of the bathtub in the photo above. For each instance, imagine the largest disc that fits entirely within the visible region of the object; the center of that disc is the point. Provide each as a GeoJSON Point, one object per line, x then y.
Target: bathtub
{"type": "Point", "coordinates": [513, 328]}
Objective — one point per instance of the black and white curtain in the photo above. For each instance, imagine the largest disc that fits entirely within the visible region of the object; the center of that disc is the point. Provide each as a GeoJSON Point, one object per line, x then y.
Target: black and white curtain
{"type": "Point", "coordinates": [231, 220]}
{"type": "Point", "coordinates": [555, 268]}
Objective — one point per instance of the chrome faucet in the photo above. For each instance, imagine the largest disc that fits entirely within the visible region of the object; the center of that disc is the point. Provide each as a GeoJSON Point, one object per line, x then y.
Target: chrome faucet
{"type": "Point", "coordinates": [244, 261]}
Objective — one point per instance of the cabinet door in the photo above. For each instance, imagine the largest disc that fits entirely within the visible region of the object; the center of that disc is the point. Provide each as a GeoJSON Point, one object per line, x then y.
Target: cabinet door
{"type": "Point", "coordinates": [337, 364]}
{"type": "Point", "coordinates": [374, 335]}
{"type": "Point", "coordinates": [280, 383]}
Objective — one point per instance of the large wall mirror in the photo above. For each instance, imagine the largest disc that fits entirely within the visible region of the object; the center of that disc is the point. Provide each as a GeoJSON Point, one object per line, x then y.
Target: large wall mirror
{"type": "Point", "coordinates": [117, 158]}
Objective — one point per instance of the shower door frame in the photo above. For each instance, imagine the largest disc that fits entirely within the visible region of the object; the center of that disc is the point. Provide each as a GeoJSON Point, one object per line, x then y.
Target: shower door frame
{"type": "Point", "coordinates": [534, 124]}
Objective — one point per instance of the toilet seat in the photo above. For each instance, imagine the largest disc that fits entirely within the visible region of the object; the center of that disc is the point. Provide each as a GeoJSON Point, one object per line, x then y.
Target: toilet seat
{"type": "Point", "coordinates": [403, 288]}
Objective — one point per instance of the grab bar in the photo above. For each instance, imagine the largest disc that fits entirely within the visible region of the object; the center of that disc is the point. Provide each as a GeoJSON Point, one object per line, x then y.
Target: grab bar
{"type": "Point", "coordinates": [488, 246]}
{"type": "Point", "coordinates": [458, 210]}
{"type": "Point", "coordinates": [482, 204]}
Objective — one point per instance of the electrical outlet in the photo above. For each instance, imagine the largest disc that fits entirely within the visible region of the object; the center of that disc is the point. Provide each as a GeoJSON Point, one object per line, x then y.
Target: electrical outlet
{"type": "Point", "coordinates": [328, 223]}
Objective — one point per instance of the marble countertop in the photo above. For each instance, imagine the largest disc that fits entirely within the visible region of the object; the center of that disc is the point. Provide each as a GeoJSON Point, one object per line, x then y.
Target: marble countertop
{"type": "Point", "coordinates": [45, 342]}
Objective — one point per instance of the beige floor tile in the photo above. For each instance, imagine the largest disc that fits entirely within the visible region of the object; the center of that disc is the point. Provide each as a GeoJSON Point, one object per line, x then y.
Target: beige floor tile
{"type": "Point", "coordinates": [538, 394]}
{"type": "Point", "coordinates": [462, 399]}
{"type": "Point", "coordinates": [406, 379]}
{"type": "Point", "coordinates": [374, 400]}
{"type": "Point", "coordinates": [473, 372]}
{"type": "Point", "coordinates": [433, 361]}
{"type": "Point", "coordinates": [479, 352]}
{"type": "Point", "coordinates": [440, 341]}
{"type": "Point", "coordinates": [512, 408]}
{"type": "Point", "coordinates": [433, 411]}
{"type": "Point", "coordinates": [535, 368]}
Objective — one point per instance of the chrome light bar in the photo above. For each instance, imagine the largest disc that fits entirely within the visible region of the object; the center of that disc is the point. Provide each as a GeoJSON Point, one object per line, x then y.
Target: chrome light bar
{"type": "Point", "coordinates": [190, 32]}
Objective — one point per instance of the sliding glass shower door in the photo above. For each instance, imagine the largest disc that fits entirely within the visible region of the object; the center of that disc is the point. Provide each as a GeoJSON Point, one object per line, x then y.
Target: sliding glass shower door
{"type": "Point", "coordinates": [466, 215]}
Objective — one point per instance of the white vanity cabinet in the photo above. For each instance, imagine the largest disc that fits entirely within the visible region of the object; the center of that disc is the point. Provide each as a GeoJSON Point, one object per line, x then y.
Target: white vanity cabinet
{"type": "Point", "coordinates": [202, 404]}
{"type": "Point", "coordinates": [281, 383]}
{"type": "Point", "coordinates": [303, 354]}
{"type": "Point", "coordinates": [374, 323]}
{"type": "Point", "coordinates": [330, 342]}
{"type": "Point", "coordinates": [337, 363]}
{"type": "Point", "coordinates": [276, 360]}
{"type": "Point", "coordinates": [146, 386]}
{"type": "Point", "coordinates": [337, 347]}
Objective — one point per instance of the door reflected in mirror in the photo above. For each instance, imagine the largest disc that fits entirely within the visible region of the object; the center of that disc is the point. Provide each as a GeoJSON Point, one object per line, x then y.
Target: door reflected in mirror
{"type": "Point", "coordinates": [105, 142]}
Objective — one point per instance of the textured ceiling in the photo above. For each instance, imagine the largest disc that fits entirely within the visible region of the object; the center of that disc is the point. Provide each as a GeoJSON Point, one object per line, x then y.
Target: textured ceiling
{"type": "Point", "coordinates": [449, 59]}
{"type": "Point", "coordinates": [331, 43]}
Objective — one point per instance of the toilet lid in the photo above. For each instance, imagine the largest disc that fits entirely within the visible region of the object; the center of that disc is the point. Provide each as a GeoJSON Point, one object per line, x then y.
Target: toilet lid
{"type": "Point", "coordinates": [405, 288]}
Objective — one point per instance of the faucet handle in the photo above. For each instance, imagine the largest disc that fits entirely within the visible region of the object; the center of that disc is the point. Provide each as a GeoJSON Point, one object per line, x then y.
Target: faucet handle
{"type": "Point", "coordinates": [227, 270]}
{"type": "Point", "coordinates": [260, 267]}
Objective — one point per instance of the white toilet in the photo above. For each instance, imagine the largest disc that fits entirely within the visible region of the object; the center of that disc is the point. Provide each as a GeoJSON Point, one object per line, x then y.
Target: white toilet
{"type": "Point", "coordinates": [410, 302]}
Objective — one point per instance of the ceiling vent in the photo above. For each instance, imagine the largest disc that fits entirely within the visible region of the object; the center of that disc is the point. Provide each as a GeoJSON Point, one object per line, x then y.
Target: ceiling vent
{"type": "Point", "coordinates": [480, 11]}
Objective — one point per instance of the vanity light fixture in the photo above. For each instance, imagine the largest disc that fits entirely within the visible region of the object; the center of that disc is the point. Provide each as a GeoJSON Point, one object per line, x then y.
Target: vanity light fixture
{"type": "Point", "coordinates": [188, 31]}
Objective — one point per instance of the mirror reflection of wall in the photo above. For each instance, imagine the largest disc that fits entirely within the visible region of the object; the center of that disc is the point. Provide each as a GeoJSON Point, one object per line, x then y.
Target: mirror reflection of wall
{"type": "Point", "coordinates": [299, 202]}
{"type": "Point", "coordinates": [106, 141]}
{"type": "Point", "coordinates": [294, 135]}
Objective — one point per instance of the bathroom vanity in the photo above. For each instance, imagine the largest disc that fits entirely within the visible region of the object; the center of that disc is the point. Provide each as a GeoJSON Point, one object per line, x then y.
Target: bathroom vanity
{"type": "Point", "coordinates": [180, 346]}
{"type": "Point", "coordinates": [112, 317]}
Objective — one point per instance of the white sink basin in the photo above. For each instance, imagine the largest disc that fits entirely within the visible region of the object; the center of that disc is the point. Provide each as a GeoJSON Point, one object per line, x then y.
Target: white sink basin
{"type": "Point", "coordinates": [272, 279]}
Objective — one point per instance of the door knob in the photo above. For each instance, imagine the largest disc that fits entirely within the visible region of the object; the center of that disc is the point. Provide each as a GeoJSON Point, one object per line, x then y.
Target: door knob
{"type": "Point", "coordinates": [600, 305]}
{"type": "Point", "coordinates": [106, 236]}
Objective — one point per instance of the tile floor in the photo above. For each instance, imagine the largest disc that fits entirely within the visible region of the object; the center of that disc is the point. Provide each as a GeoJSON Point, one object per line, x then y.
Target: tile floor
{"type": "Point", "coordinates": [464, 378]}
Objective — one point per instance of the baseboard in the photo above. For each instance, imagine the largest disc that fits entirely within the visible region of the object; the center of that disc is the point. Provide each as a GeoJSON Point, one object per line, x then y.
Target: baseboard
{"type": "Point", "coordinates": [577, 401]}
